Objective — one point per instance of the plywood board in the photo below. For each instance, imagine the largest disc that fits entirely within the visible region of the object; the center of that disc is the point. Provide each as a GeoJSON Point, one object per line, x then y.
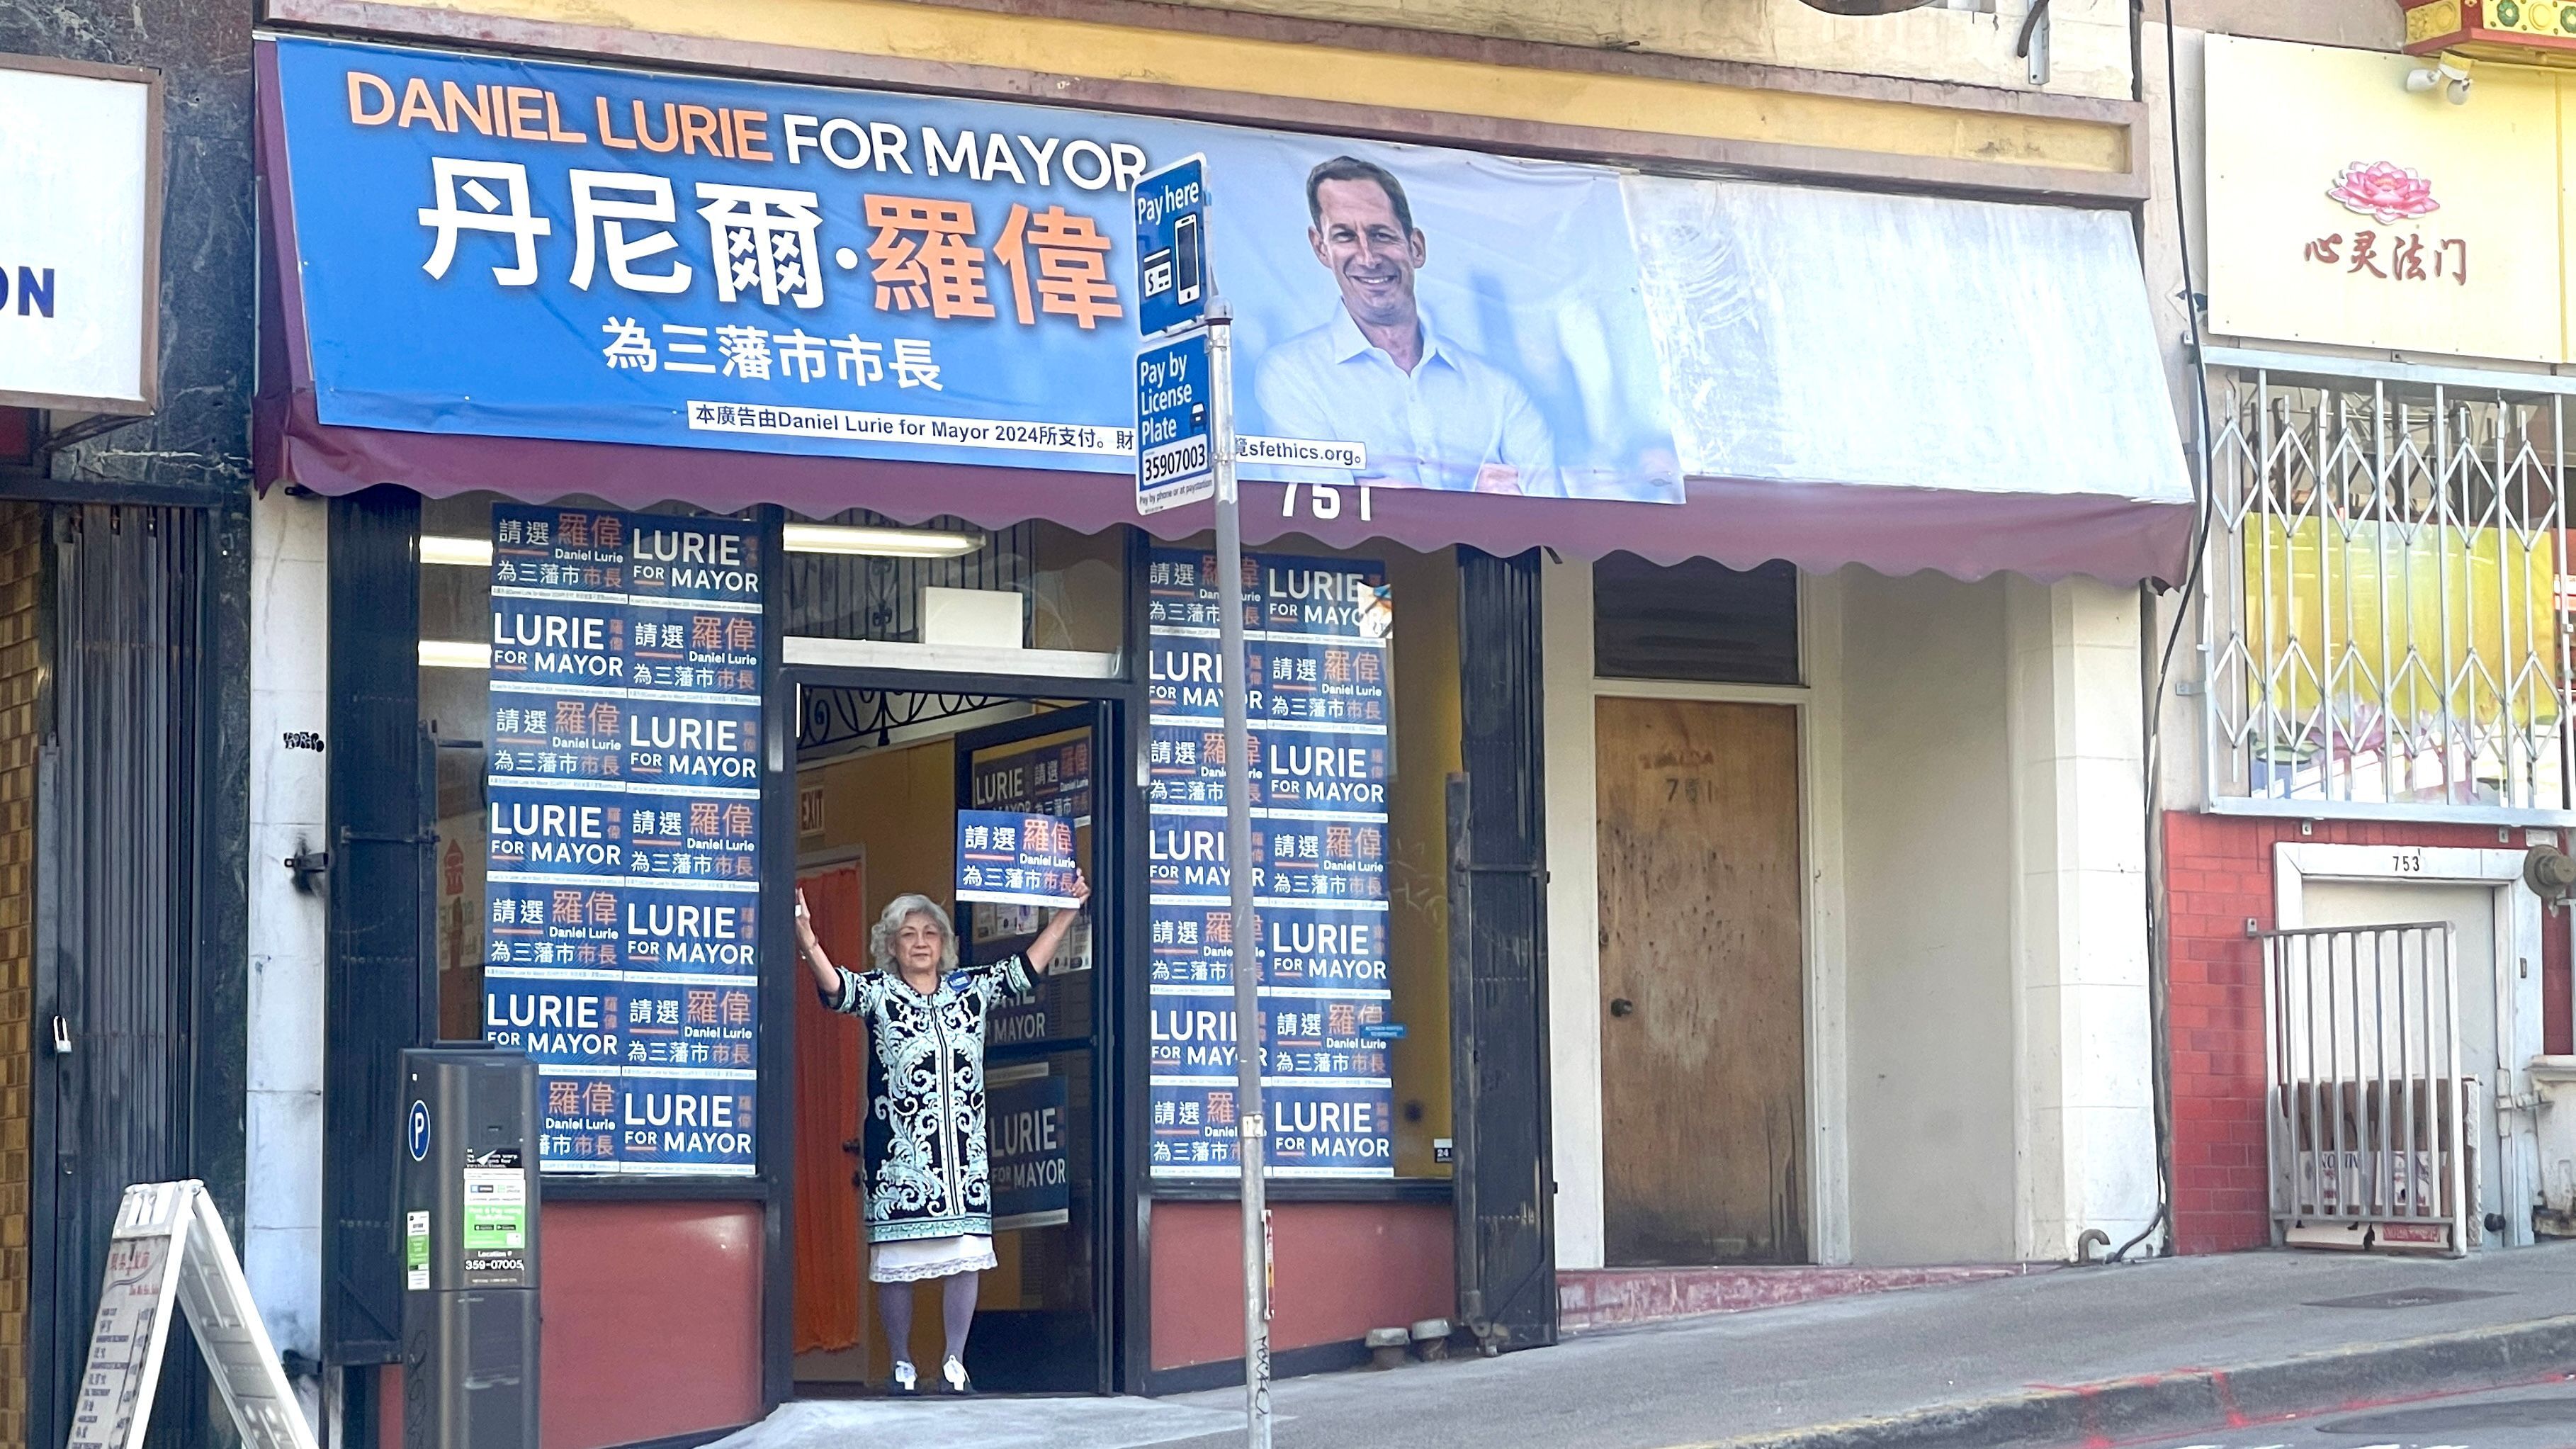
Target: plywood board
{"type": "Point", "coordinates": [1702, 980]}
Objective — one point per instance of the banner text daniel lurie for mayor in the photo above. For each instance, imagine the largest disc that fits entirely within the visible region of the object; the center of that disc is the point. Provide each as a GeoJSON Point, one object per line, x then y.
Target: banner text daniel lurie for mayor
{"type": "Point", "coordinates": [497, 246]}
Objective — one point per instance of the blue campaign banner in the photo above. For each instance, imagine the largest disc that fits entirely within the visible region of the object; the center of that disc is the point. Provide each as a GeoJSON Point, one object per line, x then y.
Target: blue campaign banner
{"type": "Point", "coordinates": [1315, 1131]}
{"type": "Point", "coordinates": [1185, 766]}
{"type": "Point", "coordinates": [674, 560]}
{"type": "Point", "coordinates": [675, 1121]}
{"type": "Point", "coordinates": [1026, 1133]}
{"type": "Point", "coordinates": [1185, 856]}
{"type": "Point", "coordinates": [690, 1021]}
{"type": "Point", "coordinates": [551, 735]}
{"type": "Point", "coordinates": [558, 549]}
{"type": "Point", "coordinates": [558, 1020]}
{"type": "Point", "coordinates": [1339, 598]}
{"type": "Point", "coordinates": [1181, 591]}
{"type": "Point", "coordinates": [679, 926]}
{"type": "Point", "coordinates": [671, 739]}
{"type": "Point", "coordinates": [1340, 772]}
{"type": "Point", "coordinates": [1051, 778]}
{"type": "Point", "coordinates": [1323, 859]}
{"type": "Point", "coordinates": [1311, 1034]}
{"type": "Point", "coordinates": [550, 924]}
{"type": "Point", "coordinates": [576, 830]}
{"type": "Point", "coordinates": [705, 648]}
{"type": "Point", "coordinates": [690, 835]}
{"type": "Point", "coordinates": [577, 1118]}
{"type": "Point", "coordinates": [570, 640]}
{"type": "Point", "coordinates": [1015, 859]}
{"type": "Point", "coordinates": [1319, 946]}
{"type": "Point", "coordinates": [1320, 682]}
{"type": "Point", "coordinates": [1331, 1131]}
{"type": "Point", "coordinates": [1191, 943]}
{"type": "Point", "coordinates": [493, 245]}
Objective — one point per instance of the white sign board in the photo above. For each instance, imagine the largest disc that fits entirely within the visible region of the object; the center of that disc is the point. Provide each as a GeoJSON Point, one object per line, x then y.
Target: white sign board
{"type": "Point", "coordinates": [80, 213]}
{"type": "Point", "coordinates": [169, 1251]}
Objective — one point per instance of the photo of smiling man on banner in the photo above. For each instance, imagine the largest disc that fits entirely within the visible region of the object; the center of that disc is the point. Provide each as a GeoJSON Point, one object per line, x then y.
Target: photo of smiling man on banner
{"type": "Point", "coordinates": [1430, 413]}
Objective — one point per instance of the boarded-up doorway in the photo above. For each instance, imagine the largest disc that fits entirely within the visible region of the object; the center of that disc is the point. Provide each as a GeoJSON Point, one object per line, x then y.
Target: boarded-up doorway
{"type": "Point", "coordinates": [1703, 1051]}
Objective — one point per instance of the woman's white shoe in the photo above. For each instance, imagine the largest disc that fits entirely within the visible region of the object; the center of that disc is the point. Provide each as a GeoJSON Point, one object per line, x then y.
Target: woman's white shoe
{"type": "Point", "coordinates": [905, 1380]}
{"type": "Point", "coordinates": [954, 1372]}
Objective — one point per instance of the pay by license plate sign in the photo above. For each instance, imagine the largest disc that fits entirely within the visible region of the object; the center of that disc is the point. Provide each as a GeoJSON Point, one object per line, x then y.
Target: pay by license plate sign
{"type": "Point", "coordinates": [1175, 446]}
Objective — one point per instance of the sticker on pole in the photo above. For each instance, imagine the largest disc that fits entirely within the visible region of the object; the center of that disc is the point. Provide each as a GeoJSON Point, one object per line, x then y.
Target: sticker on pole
{"type": "Point", "coordinates": [1175, 452]}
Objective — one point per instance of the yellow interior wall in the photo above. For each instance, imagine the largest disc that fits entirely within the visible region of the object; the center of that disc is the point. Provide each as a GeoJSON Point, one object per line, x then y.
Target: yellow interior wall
{"type": "Point", "coordinates": [1644, 105]}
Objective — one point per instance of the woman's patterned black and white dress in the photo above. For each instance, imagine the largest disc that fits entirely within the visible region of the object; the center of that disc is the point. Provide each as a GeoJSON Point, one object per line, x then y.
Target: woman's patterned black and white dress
{"type": "Point", "coordinates": [927, 1173]}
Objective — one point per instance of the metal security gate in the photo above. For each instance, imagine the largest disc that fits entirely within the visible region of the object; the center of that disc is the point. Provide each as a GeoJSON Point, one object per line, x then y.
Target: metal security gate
{"type": "Point", "coordinates": [118, 842]}
{"type": "Point", "coordinates": [2371, 1122]}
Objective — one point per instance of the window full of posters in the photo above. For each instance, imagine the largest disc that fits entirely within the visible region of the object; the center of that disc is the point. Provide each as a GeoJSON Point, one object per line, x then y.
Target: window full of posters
{"type": "Point", "coordinates": [1317, 636]}
{"type": "Point", "coordinates": [623, 773]}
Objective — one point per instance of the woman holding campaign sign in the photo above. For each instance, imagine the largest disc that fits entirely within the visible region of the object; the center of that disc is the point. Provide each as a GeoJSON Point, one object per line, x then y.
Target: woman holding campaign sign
{"type": "Point", "coordinates": [930, 1202]}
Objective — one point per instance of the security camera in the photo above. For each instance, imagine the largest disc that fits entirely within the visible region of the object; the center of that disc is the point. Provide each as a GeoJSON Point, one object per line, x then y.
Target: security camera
{"type": "Point", "coordinates": [2447, 74]}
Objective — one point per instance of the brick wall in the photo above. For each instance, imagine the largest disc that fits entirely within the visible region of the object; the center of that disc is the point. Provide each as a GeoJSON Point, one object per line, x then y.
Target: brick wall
{"type": "Point", "coordinates": [21, 572]}
{"type": "Point", "coordinates": [2218, 872]}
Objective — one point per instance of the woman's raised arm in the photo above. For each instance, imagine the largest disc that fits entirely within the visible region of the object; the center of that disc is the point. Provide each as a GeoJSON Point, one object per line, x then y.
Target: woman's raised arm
{"type": "Point", "coordinates": [1051, 940]}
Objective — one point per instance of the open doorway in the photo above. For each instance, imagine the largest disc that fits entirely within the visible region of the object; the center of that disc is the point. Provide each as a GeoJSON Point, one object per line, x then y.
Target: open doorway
{"type": "Point", "coordinates": [881, 774]}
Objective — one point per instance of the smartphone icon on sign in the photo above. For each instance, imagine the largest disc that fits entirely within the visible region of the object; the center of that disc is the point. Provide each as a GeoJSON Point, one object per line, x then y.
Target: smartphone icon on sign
{"type": "Point", "coordinates": [1186, 258]}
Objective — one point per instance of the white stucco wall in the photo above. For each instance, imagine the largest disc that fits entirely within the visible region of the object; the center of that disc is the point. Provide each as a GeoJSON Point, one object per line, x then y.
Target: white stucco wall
{"type": "Point", "coordinates": [282, 1230]}
{"type": "Point", "coordinates": [1573, 911]}
{"type": "Point", "coordinates": [1928, 899]}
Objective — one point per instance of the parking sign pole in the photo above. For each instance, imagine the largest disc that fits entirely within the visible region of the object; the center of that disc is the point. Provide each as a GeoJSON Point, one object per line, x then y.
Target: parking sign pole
{"type": "Point", "coordinates": [1252, 1137]}
{"type": "Point", "coordinates": [1185, 452]}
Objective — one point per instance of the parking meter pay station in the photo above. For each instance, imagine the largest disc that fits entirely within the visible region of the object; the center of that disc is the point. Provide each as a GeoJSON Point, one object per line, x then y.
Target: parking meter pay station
{"type": "Point", "coordinates": [469, 1234]}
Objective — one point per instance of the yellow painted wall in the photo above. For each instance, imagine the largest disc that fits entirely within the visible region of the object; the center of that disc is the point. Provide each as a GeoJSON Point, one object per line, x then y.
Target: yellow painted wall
{"type": "Point", "coordinates": [2091, 49]}
{"type": "Point", "coordinates": [1427, 729]}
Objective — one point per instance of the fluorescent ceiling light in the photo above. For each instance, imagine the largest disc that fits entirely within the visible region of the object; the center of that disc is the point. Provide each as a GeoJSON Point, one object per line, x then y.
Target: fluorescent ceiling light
{"type": "Point", "coordinates": [879, 542]}
{"type": "Point", "coordinates": [467, 552]}
{"type": "Point", "coordinates": [454, 654]}
{"type": "Point", "coordinates": [801, 538]}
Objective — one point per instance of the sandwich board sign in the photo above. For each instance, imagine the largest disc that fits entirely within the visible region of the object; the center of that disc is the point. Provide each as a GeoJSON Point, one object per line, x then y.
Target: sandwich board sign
{"type": "Point", "coordinates": [169, 1253]}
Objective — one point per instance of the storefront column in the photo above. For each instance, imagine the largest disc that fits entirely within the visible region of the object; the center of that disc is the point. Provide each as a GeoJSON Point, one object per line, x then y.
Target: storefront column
{"type": "Point", "coordinates": [2086, 1130]}
{"type": "Point", "coordinates": [290, 622]}
{"type": "Point", "coordinates": [1573, 910]}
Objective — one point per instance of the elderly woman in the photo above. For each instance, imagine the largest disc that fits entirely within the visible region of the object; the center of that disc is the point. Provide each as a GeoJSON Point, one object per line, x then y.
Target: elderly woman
{"type": "Point", "coordinates": [930, 1201]}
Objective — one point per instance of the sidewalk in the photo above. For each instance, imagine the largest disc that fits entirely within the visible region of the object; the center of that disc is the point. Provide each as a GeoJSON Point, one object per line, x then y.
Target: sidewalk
{"type": "Point", "coordinates": [2102, 1353]}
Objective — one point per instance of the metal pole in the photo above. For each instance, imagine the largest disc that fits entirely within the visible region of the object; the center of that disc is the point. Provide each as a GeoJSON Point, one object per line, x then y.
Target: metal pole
{"type": "Point", "coordinates": [1252, 1138]}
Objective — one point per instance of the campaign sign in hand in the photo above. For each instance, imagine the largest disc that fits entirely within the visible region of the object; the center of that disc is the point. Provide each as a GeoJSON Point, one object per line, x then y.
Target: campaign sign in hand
{"type": "Point", "coordinates": [1014, 859]}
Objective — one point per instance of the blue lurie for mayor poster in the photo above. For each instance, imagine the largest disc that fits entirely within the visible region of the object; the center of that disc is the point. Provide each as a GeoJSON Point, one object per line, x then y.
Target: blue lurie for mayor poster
{"type": "Point", "coordinates": [499, 246]}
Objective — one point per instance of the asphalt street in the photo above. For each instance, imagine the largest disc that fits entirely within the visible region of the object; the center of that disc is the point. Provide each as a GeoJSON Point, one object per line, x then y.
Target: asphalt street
{"type": "Point", "coordinates": [2531, 1416]}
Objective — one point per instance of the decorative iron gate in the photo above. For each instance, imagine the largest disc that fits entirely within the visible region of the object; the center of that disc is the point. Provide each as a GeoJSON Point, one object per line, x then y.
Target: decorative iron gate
{"type": "Point", "coordinates": [2371, 1123]}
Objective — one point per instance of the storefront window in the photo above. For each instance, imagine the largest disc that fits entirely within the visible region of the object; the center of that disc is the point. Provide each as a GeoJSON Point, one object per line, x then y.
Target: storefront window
{"type": "Point", "coordinates": [1356, 729]}
{"type": "Point", "coordinates": [885, 585]}
{"type": "Point", "coordinates": [1694, 620]}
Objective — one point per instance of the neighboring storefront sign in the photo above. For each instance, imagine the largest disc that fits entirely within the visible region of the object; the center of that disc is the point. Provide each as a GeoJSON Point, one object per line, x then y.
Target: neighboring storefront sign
{"type": "Point", "coordinates": [1317, 638]}
{"type": "Point", "coordinates": [608, 255]}
{"type": "Point", "coordinates": [80, 184]}
{"type": "Point", "coordinates": [623, 875]}
{"type": "Point", "coordinates": [2387, 217]}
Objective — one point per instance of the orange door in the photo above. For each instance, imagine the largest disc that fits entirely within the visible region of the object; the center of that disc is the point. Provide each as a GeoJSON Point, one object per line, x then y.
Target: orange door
{"type": "Point", "coordinates": [828, 1221]}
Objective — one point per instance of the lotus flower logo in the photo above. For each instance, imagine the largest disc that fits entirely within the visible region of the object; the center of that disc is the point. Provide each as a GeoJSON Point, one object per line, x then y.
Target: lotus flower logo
{"type": "Point", "coordinates": [2384, 190]}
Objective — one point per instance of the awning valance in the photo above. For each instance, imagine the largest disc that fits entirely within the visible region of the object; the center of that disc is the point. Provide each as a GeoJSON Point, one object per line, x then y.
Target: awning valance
{"type": "Point", "coordinates": [1899, 382]}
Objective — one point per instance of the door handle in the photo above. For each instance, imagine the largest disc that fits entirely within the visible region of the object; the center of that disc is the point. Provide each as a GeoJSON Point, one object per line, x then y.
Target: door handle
{"type": "Point", "coordinates": [62, 1037]}
{"type": "Point", "coordinates": [1622, 1006]}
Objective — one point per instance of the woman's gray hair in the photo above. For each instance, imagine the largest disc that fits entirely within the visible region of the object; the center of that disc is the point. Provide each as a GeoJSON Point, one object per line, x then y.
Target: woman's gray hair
{"type": "Point", "coordinates": [901, 909]}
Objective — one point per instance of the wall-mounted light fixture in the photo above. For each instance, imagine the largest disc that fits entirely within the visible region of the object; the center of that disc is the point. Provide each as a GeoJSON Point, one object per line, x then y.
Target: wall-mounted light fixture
{"type": "Point", "coordinates": [2446, 73]}
{"type": "Point", "coordinates": [476, 553]}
